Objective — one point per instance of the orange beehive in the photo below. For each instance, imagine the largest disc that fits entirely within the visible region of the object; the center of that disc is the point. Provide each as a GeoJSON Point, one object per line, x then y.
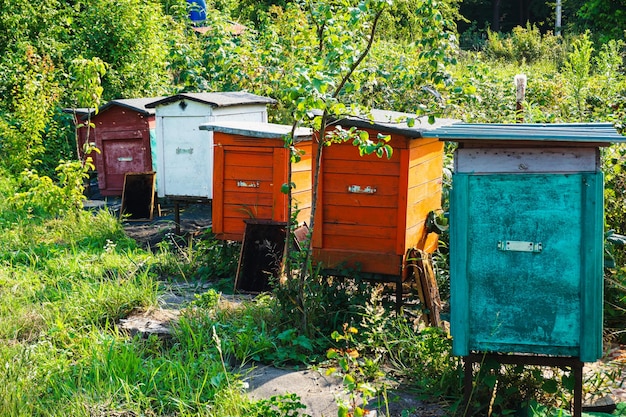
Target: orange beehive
{"type": "Point", "coordinates": [371, 210]}
{"type": "Point", "coordinates": [251, 165]}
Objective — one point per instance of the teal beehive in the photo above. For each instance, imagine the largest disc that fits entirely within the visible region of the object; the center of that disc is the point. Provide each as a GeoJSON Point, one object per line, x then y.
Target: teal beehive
{"type": "Point", "coordinates": [526, 238]}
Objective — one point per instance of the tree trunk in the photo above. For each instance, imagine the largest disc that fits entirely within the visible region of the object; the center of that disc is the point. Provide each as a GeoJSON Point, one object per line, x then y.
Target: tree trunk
{"type": "Point", "coordinates": [495, 24]}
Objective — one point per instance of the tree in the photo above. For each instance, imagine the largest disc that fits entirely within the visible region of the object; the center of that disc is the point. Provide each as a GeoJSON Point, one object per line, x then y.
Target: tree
{"type": "Point", "coordinates": [133, 38]}
{"type": "Point", "coordinates": [605, 18]}
{"type": "Point", "coordinates": [328, 81]}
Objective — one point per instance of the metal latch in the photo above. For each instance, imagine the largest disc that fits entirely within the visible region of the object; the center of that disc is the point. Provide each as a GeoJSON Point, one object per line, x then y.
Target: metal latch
{"type": "Point", "coordinates": [359, 190]}
{"type": "Point", "coordinates": [520, 246]}
{"type": "Point", "coordinates": [255, 184]}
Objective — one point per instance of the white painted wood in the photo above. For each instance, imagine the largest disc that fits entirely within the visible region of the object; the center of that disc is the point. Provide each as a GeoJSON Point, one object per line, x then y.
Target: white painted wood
{"type": "Point", "coordinates": [527, 160]}
{"type": "Point", "coordinates": [184, 152]}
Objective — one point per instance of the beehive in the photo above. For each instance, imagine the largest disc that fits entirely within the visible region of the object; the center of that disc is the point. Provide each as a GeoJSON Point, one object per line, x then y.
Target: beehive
{"type": "Point", "coordinates": [526, 238]}
{"type": "Point", "coordinates": [123, 132]}
{"type": "Point", "coordinates": [251, 166]}
{"type": "Point", "coordinates": [371, 210]}
{"type": "Point", "coordinates": [184, 154]}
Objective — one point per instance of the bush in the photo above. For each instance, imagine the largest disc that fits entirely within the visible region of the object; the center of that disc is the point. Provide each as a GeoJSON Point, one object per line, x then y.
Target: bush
{"type": "Point", "coordinates": [524, 45]}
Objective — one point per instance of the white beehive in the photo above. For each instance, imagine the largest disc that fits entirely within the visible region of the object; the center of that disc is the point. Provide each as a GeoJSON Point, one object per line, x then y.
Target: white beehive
{"type": "Point", "coordinates": [184, 153]}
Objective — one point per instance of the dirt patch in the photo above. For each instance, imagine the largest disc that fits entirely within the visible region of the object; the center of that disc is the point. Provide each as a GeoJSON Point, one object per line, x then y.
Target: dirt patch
{"type": "Point", "coordinates": [320, 393]}
{"type": "Point", "coordinates": [194, 219]}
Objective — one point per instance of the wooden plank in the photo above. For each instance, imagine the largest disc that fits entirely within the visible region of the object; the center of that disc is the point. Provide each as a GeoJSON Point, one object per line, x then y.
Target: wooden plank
{"type": "Point", "coordinates": [302, 179]}
{"type": "Point", "coordinates": [361, 231]}
{"type": "Point", "coordinates": [424, 190]}
{"type": "Point", "coordinates": [303, 165]}
{"type": "Point", "coordinates": [526, 160]}
{"type": "Point", "coordinates": [217, 209]}
{"type": "Point", "coordinates": [421, 264]}
{"type": "Point", "coordinates": [375, 216]}
{"type": "Point", "coordinates": [398, 140]}
{"type": "Point", "coordinates": [280, 170]}
{"type": "Point", "coordinates": [425, 172]}
{"type": "Point", "coordinates": [401, 203]}
{"type": "Point", "coordinates": [372, 262]}
{"type": "Point", "coordinates": [116, 134]}
{"type": "Point", "coordinates": [358, 243]}
{"type": "Point", "coordinates": [417, 237]}
{"type": "Point", "coordinates": [240, 161]}
{"type": "Point", "coordinates": [247, 196]}
{"type": "Point", "coordinates": [350, 201]}
{"type": "Point", "coordinates": [304, 216]}
{"type": "Point", "coordinates": [459, 286]}
{"type": "Point", "coordinates": [302, 201]}
{"type": "Point", "coordinates": [339, 183]}
{"type": "Point", "coordinates": [361, 166]}
{"type": "Point", "coordinates": [247, 211]}
{"type": "Point", "coordinates": [426, 151]}
{"type": "Point", "coordinates": [234, 228]}
{"type": "Point", "coordinates": [592, 267]}
{"type": "Point", "coordinates": [250, 173]}
{"type": "Point", "coordinates": [418, 212]}
{"type": "Point", "coordinates": [245, 142]}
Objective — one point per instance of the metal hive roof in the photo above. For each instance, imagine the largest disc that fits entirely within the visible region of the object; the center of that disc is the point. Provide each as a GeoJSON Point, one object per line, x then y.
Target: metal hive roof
{"type": "Point", "coordinates": [388, 121]}
{"type": "Point", "coordinates": [257, 129]}
{"type": "Point", "coordinates": [138, 104]}
{"type": "Point", "coordinates": [216, 99]}
{"type": "Point", "coordinates": [554, 132]}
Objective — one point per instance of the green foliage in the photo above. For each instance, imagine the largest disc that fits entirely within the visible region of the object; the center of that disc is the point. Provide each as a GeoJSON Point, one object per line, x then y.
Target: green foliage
{"type": "Point", "coordinates": [23, 121]}
{"type": "Point", "coordinates": [87, 82]}
{"type": "Point", "coordinates": [40, 196]}
{"type": "Point", "coordinates": [501, 390]}
{"type": "Point", "coordinates": [524, 45]}
{"type": "Point", "coordinates": [131, 38]}
{"type": "Point", "coordinates": [203, 257]}
{"type": "Point", "coordinates": [420, 355]}
{"type": "Point", "coordinates": [353, 371]}
{"type": "Point", "coordinates": [606, 18]}
{"type": "Point", "coordinates": [208, 300]}
{"type": "Point", "coordinates": [577, 70]}
{"type": "Point", "coordinates": [406, 18]}
{"type": "Point", "coordinates": [287, 405]}
{"type": "Point", "coordinates": [252, 331]}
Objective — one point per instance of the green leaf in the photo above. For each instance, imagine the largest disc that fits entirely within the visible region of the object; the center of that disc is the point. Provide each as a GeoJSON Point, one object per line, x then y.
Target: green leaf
{"type": "Point", "coordinates": [550, 386]}
{"type": "Point", "coordinates": [568, 382]}
{"type": "Point", "coordinates": [490, 380]}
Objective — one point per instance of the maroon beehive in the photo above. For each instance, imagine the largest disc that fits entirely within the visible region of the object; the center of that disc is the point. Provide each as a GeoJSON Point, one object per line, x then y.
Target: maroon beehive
{"type": "Point", "coordinates": [124, 130]}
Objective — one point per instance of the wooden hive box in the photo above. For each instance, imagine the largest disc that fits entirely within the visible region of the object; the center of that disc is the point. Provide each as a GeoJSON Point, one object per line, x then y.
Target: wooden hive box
{"type": "Point", "coordinates": [124, 133]}
{"type": "Point", "coordinates": [184, 153]}
{"type": "Point", "coordinates": [371, 210]}
{"type": "Point", "coordinates": [526, 238]}
{"type": "Point", "coordinates": [251, 165]}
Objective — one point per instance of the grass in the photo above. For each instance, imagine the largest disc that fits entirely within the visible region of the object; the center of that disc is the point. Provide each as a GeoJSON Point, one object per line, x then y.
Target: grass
{"type": "Point", "coordinates": [64, 285]}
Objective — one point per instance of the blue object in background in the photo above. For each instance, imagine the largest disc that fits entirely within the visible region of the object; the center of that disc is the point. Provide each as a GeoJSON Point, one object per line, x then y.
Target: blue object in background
{"type": "Point", "coordinates": [197, 12]}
